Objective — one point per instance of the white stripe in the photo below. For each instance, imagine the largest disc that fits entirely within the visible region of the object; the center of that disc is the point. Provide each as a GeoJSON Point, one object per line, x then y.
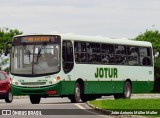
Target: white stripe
{"type": "Point", "coordinates": [79, 106]}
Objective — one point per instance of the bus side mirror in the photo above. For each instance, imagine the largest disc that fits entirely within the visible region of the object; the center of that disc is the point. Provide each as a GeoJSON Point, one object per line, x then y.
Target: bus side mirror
{"type": "Point", "coordinates": [7, 48]}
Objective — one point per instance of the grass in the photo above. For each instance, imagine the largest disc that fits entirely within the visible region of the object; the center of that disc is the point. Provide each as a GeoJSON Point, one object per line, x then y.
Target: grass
{"type": "Point", "coordinates": [127, 104]}
{"type": "Point", "coordinates": [132, 105]}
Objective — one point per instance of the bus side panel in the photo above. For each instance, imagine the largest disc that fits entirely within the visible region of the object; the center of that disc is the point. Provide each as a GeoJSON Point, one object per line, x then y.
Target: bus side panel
{"type": "Point", "coordinates": [103, 87]}
{"type": "Point", "coordinates": [68, 87]}
{"type": "Point", "coordinates": [142, 86]}
{"type": "Point", "coordinates": [118, 86]}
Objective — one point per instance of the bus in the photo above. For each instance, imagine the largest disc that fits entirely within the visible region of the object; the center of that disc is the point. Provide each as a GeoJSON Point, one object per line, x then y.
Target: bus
{"type": "Point", "coordinates": [81, 68]}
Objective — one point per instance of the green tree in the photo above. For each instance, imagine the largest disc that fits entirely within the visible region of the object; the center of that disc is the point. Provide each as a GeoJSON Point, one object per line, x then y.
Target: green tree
{"type": "Point", "coordinates": [7, 35]}
{"type": "Point", "coordinates": [152, 36]}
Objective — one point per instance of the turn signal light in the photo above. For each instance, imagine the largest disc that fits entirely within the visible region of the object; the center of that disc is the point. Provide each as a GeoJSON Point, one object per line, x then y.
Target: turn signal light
{"type": "Point", "coordinates": [58, 78]}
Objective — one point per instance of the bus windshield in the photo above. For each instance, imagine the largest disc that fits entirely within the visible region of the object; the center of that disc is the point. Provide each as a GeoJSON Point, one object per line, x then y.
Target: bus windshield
{"type": "Point", "coordinates": [35, 59]}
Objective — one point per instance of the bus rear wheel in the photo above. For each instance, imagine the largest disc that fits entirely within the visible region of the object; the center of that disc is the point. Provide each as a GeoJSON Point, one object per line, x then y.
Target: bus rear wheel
{"type": "Point", "coordinates": [77, 94]}
{"type": "Point", "coordinates": [127, 90]}
{"type": "Point", "coordinates": [35, 99]}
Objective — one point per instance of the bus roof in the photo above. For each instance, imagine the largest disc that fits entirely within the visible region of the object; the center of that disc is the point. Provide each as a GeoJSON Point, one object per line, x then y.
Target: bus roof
{"type": "Point", "coordinates": [121, 41]}
{"type": "Point", "coordinates": [99, 39]}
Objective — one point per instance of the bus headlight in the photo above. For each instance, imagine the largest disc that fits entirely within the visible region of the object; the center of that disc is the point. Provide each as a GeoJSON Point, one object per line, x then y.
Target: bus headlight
{"type": "Point", "coordinates": [54, 80]}
{"type": "Point", "coordinates": [14, 82]}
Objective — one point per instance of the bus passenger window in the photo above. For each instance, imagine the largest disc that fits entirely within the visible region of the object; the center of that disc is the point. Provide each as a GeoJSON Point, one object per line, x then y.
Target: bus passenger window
{"type": "Point", "coordinates": [111, 59]}
{"type": "Point", "coordinates": [120, 59]}
{"type": "Point", "coordinates": [146, 61]}
{"type": "Point", "coordinates": [119, 49]}
{"type": "Point", "coordinates": [105, 58]}
{"type": "Point", "coordinates": [83, 57]}
{"type": "Point", "coordinates": [145, 56]}
{"type": "Point", "coordinates": [83, 47]}
{"type": "Point", "coordinates": [77, 57]}
{"type": "Point", "coordinates": [133, 55]}
{"type": "Point", "coordinates": [107, 48]}
{"type": "Point", "coordinates": [133, 60]}
{"type": "Point", "coordinates": [133, 51]}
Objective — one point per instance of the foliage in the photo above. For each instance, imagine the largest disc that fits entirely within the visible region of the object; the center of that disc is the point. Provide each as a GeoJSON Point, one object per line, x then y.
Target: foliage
{"type": "Point", "coordinates": [6, 35]}
{"type": "Point", "coordinates": [152, 36]}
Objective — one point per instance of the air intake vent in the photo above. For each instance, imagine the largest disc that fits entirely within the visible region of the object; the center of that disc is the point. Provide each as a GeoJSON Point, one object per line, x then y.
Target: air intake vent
{"type": "Point", "coordinates": [33, 83]}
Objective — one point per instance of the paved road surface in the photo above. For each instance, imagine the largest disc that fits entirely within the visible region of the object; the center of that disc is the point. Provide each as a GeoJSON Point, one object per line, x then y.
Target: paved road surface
{"type": "Point", "coordinates": [59, 106]}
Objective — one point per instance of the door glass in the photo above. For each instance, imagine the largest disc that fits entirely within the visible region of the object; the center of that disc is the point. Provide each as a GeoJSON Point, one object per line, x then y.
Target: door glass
{"type": "Point", "coordinates": [67, 56]}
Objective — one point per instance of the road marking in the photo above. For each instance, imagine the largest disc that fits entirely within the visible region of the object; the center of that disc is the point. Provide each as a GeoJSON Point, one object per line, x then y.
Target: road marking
{"type": "Point", "coordinates": [79, 106]}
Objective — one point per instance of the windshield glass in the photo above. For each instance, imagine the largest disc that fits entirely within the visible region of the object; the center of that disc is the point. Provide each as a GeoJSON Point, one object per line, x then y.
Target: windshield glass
{"type": "Point", "coordinates": [35, 59]}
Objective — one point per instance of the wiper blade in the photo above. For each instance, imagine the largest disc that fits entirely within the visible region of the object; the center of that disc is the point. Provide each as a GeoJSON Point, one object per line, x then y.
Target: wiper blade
{"type": "Point", "coordinates": [40, 50]}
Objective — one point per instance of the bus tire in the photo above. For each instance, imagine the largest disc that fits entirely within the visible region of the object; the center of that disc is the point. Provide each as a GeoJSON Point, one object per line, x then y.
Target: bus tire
{"type": "Point", "coordinates": [127, 90]}
{"type": "Point", "coordinates": [35, 99]}
{"type": "Point", "coordinates": [76, 98]}
{"type": "Point", "coordinates": [9, 97]}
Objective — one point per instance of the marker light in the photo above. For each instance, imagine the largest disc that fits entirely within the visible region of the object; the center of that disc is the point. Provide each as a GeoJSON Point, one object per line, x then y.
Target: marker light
{"type": "Point", "coordinates": [58, 78]}
{"type": "Point", "coordinates": [50, 82]}
{"type": "Point", "coordinates": [16, 83]}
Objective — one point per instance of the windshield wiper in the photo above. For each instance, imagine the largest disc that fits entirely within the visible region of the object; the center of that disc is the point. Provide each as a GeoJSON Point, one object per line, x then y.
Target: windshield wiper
{"type": "Point", "coordinates": [40, 50]}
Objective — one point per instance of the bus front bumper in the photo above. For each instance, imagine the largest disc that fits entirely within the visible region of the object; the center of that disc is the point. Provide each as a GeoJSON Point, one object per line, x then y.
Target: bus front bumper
{"type": "Point", "coordinates": [43, 91]}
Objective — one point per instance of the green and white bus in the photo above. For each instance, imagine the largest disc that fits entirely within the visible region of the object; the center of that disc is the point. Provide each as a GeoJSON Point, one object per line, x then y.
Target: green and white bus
{"type": "Point", "coordinates": [81, 68]}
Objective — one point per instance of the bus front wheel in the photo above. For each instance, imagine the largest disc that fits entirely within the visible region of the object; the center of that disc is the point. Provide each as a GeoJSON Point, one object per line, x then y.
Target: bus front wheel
{"type": "Point", "coordinates": [35, 99]}
{"type": "Point", "coordinates": [77, 94]}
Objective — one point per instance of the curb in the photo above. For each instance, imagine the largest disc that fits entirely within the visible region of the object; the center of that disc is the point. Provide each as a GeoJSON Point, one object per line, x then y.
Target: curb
{"type": "Point", "coordinates": [107, 112]}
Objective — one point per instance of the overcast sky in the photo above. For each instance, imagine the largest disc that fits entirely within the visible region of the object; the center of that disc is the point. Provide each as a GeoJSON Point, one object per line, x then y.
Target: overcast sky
{"type": "Point", "coordinates": [109, 18]}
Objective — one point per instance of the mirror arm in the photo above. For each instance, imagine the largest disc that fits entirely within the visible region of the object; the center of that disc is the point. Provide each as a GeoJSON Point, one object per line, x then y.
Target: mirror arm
{"type": "Point", "coordinates": [6, 48]}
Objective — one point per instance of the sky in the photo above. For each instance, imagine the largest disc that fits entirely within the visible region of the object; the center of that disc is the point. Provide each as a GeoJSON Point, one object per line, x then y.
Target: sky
{"type": "Point", "coordinates": [108, 18]}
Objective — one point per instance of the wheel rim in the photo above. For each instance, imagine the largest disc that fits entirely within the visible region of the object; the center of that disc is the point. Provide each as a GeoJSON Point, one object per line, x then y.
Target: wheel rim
{"type": "Point", "coordinates": [127, 91]}
{"type": "Point", "coordinates": [77, 94]}
{"type": "Point", "coordinates": [10, 97]}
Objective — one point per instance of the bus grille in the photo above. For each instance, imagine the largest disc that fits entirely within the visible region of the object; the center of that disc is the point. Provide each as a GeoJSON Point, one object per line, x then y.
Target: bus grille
{"type": "Point", "coordinates": [33, 83]}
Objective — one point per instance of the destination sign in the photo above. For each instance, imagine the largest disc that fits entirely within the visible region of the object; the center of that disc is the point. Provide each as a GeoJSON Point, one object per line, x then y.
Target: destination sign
{"type": "Point", "coordinates": [36, 39]}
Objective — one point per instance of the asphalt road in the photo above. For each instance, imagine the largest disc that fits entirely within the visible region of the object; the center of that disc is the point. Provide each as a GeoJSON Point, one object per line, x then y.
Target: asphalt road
{"type": "Point", "coordinates": [57, 107]}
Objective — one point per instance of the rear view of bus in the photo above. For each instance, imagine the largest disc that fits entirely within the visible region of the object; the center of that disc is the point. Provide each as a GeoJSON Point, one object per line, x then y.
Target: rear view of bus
{"type": "Point", "coordinates": [35, 61]}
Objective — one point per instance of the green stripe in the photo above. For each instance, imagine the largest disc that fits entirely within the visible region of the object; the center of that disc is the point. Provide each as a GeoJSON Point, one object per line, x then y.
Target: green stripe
{"type": "Point", "coordinates": [142, 86]}
{"type": "Point", "coordinates": [90, 87]}
{"type": "Point", "coordinates": [109, 87]}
